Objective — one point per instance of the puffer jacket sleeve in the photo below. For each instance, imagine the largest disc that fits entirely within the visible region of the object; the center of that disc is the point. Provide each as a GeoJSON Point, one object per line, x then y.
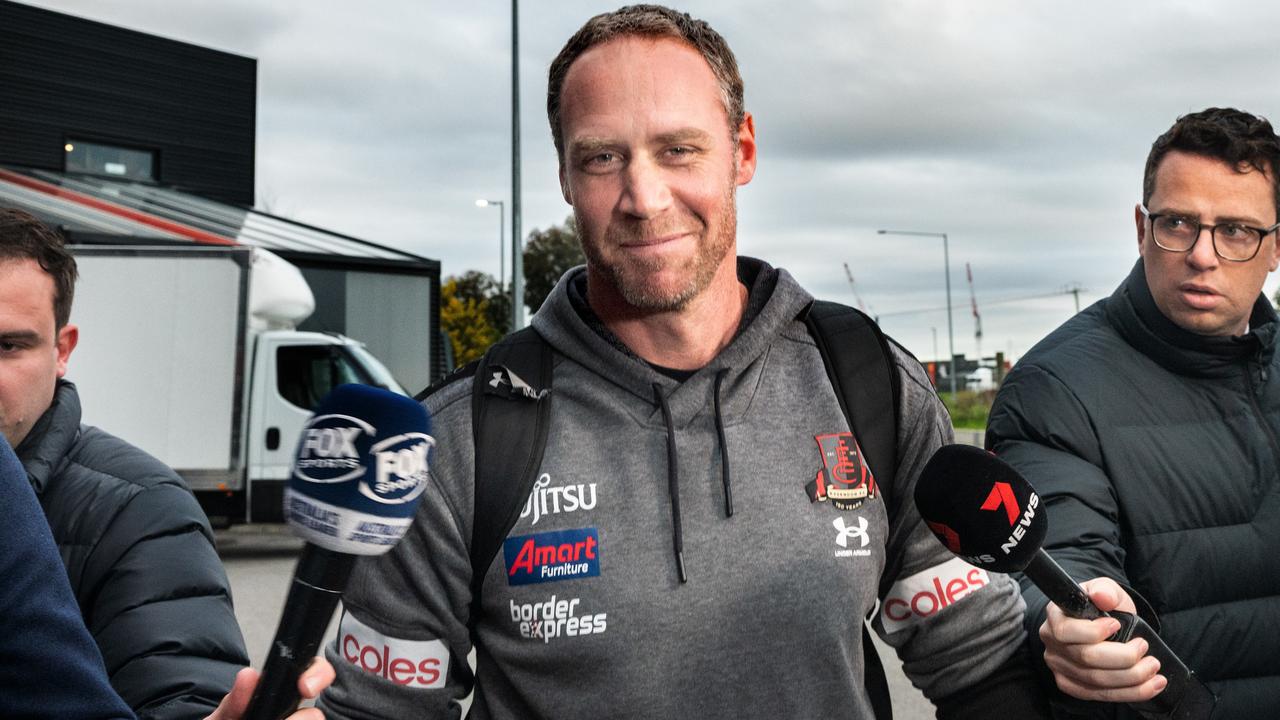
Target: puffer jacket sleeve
{"type": "Point", "coordinates": [1040, 427]}
{"type": "Point", "coordinates": [161, 609]}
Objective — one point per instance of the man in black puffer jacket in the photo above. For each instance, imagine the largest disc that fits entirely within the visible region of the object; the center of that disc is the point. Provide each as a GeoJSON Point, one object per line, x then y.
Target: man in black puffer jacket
{"type": "Point", "coordinates": [1149, 424]}
{"type": "Point", "coordinates": [136, 546]}
{"type": "Point", "coordinates": [140, 556]}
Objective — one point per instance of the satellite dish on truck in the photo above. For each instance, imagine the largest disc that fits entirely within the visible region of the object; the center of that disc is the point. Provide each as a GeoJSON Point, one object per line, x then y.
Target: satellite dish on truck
{"type": "Point", "coordinates": [279, 297]}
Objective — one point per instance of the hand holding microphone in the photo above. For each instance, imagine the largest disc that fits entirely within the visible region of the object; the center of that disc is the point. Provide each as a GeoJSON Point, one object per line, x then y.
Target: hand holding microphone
{"type": "Point", "coordinates": [1088, 668]}
{"type": "Point", "coordinates": [360, 469]}
{"type": "Point", "coordinates": [989, 515]}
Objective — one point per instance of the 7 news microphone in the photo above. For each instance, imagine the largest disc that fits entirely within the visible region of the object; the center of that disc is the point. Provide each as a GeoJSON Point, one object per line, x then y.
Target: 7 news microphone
{"type": "Point", "coordinates": [358, 474]}
{"type": "Point", "coordinates": [989, 515]}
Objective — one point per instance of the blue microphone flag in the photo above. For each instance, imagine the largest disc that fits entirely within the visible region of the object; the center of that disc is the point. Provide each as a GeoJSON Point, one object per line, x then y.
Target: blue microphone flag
{"type": "Point", "coordinates": [359, 471]}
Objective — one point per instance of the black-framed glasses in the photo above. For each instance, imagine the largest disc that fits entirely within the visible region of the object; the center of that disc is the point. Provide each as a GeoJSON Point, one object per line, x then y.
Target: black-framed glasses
{"type": "Point", "coordinates": [1231, 240]}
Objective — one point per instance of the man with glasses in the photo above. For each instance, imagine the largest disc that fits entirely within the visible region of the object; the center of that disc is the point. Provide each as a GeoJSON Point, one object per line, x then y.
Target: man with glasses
{"type": "Point", "coordinates": [1150, 424]}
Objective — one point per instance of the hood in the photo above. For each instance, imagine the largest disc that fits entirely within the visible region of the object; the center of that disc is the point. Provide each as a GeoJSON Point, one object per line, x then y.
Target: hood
{"type": "Point", "coordinates": [775, 300]}
{"type": "Point", "coordinates": [1133, 311]}
{"type": "Point", "coordinates": [51, 438]}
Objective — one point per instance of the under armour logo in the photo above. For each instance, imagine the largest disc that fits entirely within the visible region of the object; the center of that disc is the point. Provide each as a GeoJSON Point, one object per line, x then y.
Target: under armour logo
{"type": "Point", "coordinates": [515, 386]}
{"type": "Point", "coordinates": [846, 532]}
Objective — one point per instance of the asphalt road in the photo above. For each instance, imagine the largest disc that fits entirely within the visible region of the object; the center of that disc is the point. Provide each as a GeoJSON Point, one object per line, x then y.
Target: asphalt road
{"type": "Point", "coordinates": [260, 563]}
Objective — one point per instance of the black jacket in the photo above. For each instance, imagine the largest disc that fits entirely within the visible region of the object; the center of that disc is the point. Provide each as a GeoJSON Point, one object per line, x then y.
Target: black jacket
{"type": "Point", "coordinates": [140, 556]}
{"type": "Point", "coordinates": [1156, 451]}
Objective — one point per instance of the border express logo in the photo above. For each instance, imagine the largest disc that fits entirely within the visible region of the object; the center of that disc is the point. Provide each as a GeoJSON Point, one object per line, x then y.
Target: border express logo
{"type": "Point", "coordinates": [845, 477]}
{"type": "Point", "coordinates": [552, 556]}
{"type": "Point", "coordinates": [555, 618]}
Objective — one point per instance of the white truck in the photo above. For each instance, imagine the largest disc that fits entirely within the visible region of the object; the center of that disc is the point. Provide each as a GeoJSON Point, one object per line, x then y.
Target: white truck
{"type": "Point", "coordinates": [191, 354]}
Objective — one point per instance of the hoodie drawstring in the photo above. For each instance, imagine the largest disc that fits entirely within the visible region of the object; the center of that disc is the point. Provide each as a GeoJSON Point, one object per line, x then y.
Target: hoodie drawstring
{"type": "Point", "coordinates": [673, 469]}
{"type": "Point", "coordinates": [673, 482]}
{"type": "Point", "coordinates": [724, 448]}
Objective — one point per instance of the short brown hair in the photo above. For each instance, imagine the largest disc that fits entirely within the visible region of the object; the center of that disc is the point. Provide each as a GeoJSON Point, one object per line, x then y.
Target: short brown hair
{"type": "Point", "coordinates": [652, 21]}
{"type": "Point", "coordinates": [1233, 136]}
{"type": "Point", "coordinates": [23, 236]}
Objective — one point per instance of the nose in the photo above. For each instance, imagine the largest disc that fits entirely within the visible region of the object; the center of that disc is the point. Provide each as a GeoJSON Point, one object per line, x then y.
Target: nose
{"type": "Point", "coordinates": [1202, 255]}
{"type": "Point", "coordinates": [646, 194]}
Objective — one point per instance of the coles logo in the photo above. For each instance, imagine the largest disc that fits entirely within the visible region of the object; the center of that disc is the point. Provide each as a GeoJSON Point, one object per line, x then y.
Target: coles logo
{"type": "Point", "coordinates": [920, 596]}
{"type": "Point", "coordinates": [414, 663]}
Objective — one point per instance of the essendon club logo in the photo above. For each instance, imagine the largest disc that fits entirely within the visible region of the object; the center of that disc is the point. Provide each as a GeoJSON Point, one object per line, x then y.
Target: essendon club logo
{"type": "Point", "coordinates": [844, 478]}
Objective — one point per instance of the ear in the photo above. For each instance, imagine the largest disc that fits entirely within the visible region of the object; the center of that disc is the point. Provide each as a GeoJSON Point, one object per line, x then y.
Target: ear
{"type": "Point", "coordinates": [564, 186]}
{"type": "Point", "coordinates": [68, 336]}
{"type": "Point", "coordinates": [1273, 259]}
{"type": "Point", "coordinates": [1140, 221]}
{"type": "Point", "coordinates": [746, 150]}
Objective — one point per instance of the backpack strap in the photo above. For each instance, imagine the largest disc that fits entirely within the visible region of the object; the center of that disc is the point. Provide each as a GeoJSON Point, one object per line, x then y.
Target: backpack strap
{"type": "Point", "coordinates": [861, 369]}
{"type": "Point", "coordinates": [860, 365]}
{"type": "Point", "coordinates": [510, 413]}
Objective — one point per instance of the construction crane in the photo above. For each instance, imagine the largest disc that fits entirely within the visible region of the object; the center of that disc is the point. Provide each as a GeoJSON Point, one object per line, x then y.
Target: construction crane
{"type": "Point", "coordinates": [861, 305]}
{"type": "Point", "coordinates": [977, 319]}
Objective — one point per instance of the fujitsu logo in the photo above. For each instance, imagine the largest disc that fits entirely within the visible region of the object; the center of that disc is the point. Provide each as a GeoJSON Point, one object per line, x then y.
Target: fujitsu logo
{"type": "Point", "coordinates": [546, 500]}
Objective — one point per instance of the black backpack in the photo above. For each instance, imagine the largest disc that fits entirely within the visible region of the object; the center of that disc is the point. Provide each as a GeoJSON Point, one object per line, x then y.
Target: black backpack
{"type": "Point", "coordinates": [511, 407]}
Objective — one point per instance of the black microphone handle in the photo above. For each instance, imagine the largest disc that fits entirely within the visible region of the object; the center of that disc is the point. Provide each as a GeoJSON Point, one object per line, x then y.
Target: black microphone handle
{"type": "Point", "coordinates": [1184, 698]}
{"type": "Point", "coordinates": [318, 582]}
{"type": "Point", "coordinates": [1058, 586]}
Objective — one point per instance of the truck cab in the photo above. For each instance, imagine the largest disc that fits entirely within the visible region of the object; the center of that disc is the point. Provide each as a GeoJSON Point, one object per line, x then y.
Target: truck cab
{"type": "Point", "coordinates": [292, 371]}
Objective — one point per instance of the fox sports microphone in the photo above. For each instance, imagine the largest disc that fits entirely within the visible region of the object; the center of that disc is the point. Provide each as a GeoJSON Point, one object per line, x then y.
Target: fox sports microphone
{"type": "Point", "coordinates": [989, 515]}
{"type": "Point", "coordinates": [359, 471]}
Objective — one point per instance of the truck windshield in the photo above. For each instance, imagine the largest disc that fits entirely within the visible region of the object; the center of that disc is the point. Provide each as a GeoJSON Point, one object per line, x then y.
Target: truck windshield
{"type": "Point", "coordinates": [306, 373]}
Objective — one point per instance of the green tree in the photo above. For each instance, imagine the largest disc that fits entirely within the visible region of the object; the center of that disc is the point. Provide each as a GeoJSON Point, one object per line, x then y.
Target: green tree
{"type": "Point", "coordinates": [465, 316]}
{"type": "Point", "coordinates": [483, 288]}
{"type": "Point", "coordinates": [547, 255]}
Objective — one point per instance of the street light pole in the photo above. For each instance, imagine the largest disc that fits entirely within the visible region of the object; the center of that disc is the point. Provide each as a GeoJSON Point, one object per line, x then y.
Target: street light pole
{"type": "Point", "coordinates": [946, 259]}
{"type": "Point", "coordinates": [502, 240]}
{"type": "Point", "coordinates": [517, 251]}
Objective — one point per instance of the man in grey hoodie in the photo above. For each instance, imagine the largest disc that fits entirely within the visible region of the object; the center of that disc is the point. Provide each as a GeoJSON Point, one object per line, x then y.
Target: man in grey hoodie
{"type": "Point", "coordinates": [639, 582]}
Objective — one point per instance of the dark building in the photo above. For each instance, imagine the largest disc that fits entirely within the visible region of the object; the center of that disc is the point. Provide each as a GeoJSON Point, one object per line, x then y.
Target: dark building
{"type": "Point", "coordinates": [120, 137]}
{"type": "Point", "coordinates": [83, 96]}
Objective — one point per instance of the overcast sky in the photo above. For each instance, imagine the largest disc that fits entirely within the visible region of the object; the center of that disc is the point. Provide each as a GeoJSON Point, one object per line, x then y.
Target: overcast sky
{"type": "Point", "coordinates": [1018, 128]}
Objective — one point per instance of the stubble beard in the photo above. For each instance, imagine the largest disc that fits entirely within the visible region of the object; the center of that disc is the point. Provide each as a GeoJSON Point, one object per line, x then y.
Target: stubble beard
{"type": "Point", "coordinates": [633, 279]}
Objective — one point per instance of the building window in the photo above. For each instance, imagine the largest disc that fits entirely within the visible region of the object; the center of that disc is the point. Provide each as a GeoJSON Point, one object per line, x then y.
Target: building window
{"type": "Point", "coordinates": [110, 161]}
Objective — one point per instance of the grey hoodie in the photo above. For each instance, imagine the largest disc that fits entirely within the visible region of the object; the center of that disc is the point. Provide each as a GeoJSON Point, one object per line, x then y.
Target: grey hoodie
{"type": "Point", "coordinates": [584, 612]}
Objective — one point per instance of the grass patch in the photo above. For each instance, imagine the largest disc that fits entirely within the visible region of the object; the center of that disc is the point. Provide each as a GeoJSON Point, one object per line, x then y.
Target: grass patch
{"type": "Point", "coordinates": [970, 408]}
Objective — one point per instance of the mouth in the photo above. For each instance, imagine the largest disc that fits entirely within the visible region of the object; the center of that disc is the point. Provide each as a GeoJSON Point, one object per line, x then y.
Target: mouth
{"type": "Point", "coordinates": [653, 241]}
{"type": "Point", "coordinates": [1199, 296]}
